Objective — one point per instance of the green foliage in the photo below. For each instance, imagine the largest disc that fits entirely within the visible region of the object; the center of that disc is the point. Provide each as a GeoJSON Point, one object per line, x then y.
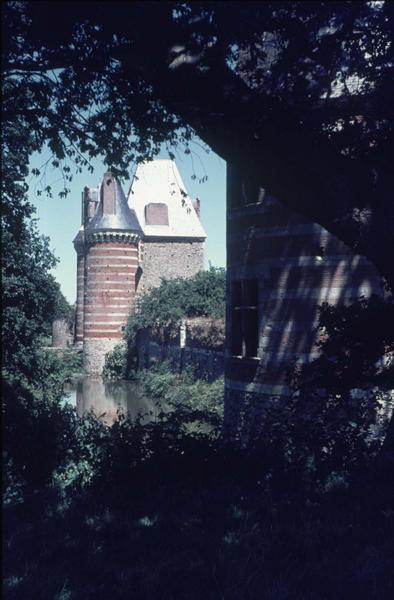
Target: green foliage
{"type": "Point", "coordinates": [37, 432]}
{"type": "Point", "coordinates": [135, 486]}
{"type": "Point", "coordinates": [30, 293]}
{"type": "Point", "coordinates": [198, 537]}
{"type": "Point", "coordinates": [115, 365]}
{"type": "Point", "coordinates": [184, 391]}
{"type": "Point", "coordinates": [339, 428]}
{"type": "Point", "coordinates": [157, 493]}
{"type": "Point", "coordinates": [158, 382]}
{"type": "Point", "coordinates": [209, 333]}
{"type": "Point", "coordinates": [97, 103]}
{"type": "Point", "coordinates": [63, 309]}
{"type": "Point", "coordinates": [57, 367]}
{"type": "Point", "coordinates": [315, 437]}
{"type": "Point", "coordinates": [38, 429]}
{"type": "Point", "coordinates": [174, 299]}
{"type": "Point", "coordinates": [29, 296]}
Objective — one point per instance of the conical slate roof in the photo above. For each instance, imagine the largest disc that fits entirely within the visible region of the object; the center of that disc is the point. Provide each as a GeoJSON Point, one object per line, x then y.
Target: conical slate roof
{"type": "Point", "coordinates": [113, 212]}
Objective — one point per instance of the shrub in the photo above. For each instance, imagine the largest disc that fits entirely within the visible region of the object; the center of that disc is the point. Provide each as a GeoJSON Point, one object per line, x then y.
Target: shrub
{"type": "Point", "coordinates": [339, 429]}
{"type": "Point", "coordinates": [38, 433]}
{"type": "Point", "coordinates": [174, 299]}
{"type": "Point", "coordinates": [183, 392]}
{"type": "Point", "coordinates": [115, 364]}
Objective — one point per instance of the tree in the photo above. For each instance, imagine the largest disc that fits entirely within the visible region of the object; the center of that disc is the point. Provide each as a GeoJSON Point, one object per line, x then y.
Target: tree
{"type": "Point", "coordinates": [297, 93]}
{"type": "Point", "coordinates": [202, 295]}
{"type": "Point", "coordinates": [30, 295]}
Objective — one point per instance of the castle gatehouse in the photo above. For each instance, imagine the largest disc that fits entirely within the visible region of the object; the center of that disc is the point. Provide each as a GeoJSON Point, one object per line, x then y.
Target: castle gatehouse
{"type": "Point", "coordinates": [126, 246]}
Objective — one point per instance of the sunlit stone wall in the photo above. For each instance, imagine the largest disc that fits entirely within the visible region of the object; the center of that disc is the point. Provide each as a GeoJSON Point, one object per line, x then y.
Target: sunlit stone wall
{"type": "Point", "coordinates": [168, 259]}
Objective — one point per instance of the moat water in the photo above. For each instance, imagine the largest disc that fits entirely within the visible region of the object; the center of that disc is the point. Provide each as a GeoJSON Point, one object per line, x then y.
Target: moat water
{"type": "Point", "coordinates": [107, 398]}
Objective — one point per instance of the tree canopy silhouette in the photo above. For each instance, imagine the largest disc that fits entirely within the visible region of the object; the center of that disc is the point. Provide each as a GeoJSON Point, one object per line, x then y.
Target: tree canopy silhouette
{"type": "Point", "coordinates": [298, 94]}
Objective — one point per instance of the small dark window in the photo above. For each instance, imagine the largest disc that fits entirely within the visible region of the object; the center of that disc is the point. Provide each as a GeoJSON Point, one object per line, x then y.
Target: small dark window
{"type": "Point", "coordinates": [156, 213]}
{"type": "Point", "coordinates": [250, 292]}
{"type": "Point", "coordinates": [236, 329]}
{"type": "Point", "coordinates": [244, 318]}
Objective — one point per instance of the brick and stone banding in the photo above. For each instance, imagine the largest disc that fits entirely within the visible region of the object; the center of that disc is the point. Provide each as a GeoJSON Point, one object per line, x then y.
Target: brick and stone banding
{"type": "Point", "coordinates": [118, 259]}
{"type": "Point", "coordinates": [298, 266]}
{"type": "Point", "coordinates": [80, 298]}
{"type": "Point", "coordinates": [109, 298]}
{"type": "Point", "coordinates": [105, 283]}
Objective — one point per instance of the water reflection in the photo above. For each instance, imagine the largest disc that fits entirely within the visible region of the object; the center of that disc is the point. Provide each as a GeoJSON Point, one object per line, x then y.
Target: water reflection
{"type": "Point", "coordinates": [105, 398]}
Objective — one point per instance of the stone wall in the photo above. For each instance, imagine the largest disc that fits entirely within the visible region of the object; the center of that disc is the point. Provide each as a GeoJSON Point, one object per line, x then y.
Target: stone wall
{"type": "Point", "coordinates": [280, 269]}
{"type": "Point", "coordinates": [61, 334]}
{"type": "Point", "coordinates": [94, 351]}
{"type": "Point", "coordinates": [169, 259]}
{"type": "Point", "coordinates": [205, 358]}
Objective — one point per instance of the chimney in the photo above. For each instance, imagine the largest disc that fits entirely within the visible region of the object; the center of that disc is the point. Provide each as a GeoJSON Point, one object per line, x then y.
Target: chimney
{"type": "Point", "coordinates": [196, 205]}
{"type": "Point", "coordinates": [108, 194]}
{"type": "Point", "coordinates": [89, 204]}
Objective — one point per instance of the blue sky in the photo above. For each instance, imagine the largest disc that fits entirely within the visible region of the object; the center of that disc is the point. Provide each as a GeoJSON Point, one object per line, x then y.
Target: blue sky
{"type": "Point", "coordinates": [60, 218]}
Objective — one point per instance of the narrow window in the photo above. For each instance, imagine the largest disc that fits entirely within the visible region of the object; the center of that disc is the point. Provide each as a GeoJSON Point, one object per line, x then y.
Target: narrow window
{"type": "Point", "coordinates": [244, 318]}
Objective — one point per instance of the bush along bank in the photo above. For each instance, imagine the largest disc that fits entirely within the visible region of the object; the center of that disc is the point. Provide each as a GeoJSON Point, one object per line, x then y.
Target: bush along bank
{"type": "Point", "coordinates": [172, 511]}
{"type": "Point", "coordinates": [185, 392]}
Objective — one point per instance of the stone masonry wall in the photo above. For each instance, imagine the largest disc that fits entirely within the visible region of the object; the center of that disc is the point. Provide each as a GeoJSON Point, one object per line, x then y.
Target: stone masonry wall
{"type": "Point", "coordinates": [169, 260]}
{"type": "Point", "coordinates": [206, 361]}
{"type": "Point", "coordinates": [61, 335]}
{"type": "Point", "coordinates": [94, 351]}
{"type": "Point", "coordinates": [289, 267]}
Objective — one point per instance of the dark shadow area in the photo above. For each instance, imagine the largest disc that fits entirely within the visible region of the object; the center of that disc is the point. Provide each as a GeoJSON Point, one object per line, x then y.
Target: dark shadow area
{"type": "Point", "coordinates": [304, 274]}
{"type": "Point", "coordinates": [175, 517]}
{"type": "Point", "coordinates": [169, 509]}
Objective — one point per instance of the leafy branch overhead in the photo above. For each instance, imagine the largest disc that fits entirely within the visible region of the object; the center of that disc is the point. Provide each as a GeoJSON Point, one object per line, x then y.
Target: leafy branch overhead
{"type": "Point", "coordinates": [298, 95]}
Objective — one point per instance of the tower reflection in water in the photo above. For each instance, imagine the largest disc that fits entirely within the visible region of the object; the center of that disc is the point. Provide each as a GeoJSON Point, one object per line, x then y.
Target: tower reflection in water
{"type": "Point", "coordinates": [106, 398]}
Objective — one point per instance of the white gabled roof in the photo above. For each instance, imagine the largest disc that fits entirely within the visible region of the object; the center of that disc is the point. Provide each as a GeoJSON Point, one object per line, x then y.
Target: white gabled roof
{"type": "Point", "coordinates": [159, 181]}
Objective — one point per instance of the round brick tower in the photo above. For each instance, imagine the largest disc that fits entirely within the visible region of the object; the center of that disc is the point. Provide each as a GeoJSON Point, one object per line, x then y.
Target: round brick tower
{"type": "Point", "coordinates": [111, 242]}
{"type": "Point", "coordinates": [79, 245]}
